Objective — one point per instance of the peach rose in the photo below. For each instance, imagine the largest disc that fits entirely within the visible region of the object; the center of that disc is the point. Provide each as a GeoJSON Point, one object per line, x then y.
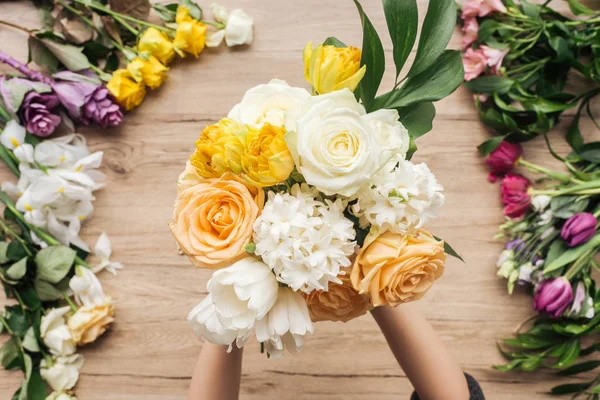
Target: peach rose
{"type": "Point", "coordinates": [213, 220]}
{"type": "Point", "coordinates": [340, 303]}
{"type": "Point", "coordinates": [90, 321]}
{"type": "Point", "coordinates": [398, 268]}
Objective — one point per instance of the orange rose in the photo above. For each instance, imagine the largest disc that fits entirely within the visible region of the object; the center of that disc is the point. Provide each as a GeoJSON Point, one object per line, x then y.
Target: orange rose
{"type": "Point", "coordinates": [340, 303]}
{"type": "Point", "coordinates": [213, 220]}
{"type": "Point", "coordinates": [397, 268]}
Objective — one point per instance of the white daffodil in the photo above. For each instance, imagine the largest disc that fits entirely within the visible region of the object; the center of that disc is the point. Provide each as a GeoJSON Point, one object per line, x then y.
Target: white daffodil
{"type": "Point", "coordinates": [103, 251]}
{"type": "Point", "coordinates": [63, 373]}
{"type": "Point", "coordinates": [13, 135]}
{"type": "Point", "coordinates": [55, 333]}
{"type": "Point", "coordinates": [86, 288]}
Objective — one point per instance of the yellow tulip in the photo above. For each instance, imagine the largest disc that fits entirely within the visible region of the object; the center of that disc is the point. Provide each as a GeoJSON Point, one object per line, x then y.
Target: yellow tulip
{"type": "Point", "coordinates": [183, 14]}
{"type": "Point", "coordinates": [150, 71]}
{"type": "Point", "coordinates": [329, 68]}
{"type": "Point", "coordinates": [158, 44]}
{"type": "Point", "coordinates": [190, 37]}
{"type": "Point", "coordinates": [126, 90]}
{"type": "Point", "coordinates": [219, 149]}
{"type": "Point", "coordinates": [266, 160]}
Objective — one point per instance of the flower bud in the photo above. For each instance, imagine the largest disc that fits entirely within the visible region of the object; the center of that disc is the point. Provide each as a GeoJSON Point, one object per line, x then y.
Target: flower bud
{"type": "Point", "coordinates": [503, 159]}
{"type": "Point", "coordinates": [515, 196]}
{"type": "Point", "coordinates": [330, 68]}
{"type": "Point", "coordinates": [553, 296]}
{"type": "Point", "coordinates": [578, 229]}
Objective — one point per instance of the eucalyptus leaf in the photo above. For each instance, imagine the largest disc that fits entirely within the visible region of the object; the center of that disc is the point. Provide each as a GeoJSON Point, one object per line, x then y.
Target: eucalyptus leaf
{"type": "Point", "coordinates": [18, 269]}
{"type": "Point", "coordinates": [402, 21]}
{"type": "Point", "coordinates": [54, 262]}
{"type": "Point", "coordinates": [417, 118]}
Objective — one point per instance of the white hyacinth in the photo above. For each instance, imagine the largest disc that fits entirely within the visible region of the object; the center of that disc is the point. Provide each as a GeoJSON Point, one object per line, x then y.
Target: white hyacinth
{"type": "Point", "coordinates": [304, 239]}
{"type": "Point", "coordinates": [400, 198]}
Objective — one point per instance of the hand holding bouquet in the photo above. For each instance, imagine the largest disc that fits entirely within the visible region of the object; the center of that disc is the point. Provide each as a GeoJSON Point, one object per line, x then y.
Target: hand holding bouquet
{"type": "Point", "coordinates": [307, 207]}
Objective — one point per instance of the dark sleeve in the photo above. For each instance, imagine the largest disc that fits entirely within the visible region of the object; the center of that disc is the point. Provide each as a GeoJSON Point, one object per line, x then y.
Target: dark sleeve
{"type": "Point", "coordinates": [474, 389]}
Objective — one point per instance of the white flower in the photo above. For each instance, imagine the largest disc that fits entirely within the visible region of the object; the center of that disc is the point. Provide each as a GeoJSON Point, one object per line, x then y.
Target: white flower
{"type": "Point", "coordinates": [103, 251]}
{"type": "Point", "coordinates": [86, 287]}
{"type": "Point", "coordinates": [506, 269]}
{"type": "Point", "coordinates": [61, 396]}
{"type": "Point", "coordinates": [392, 135]}
{"type": "Point", "coordinates": [285, 325]}
{"type": "Point", "coordinates": [205, 322]}
{"type": "Point", "coordinates": [13, 135]}
{"type": "Point", "coordinates": [268, 103]}
{"type": "Point", "coordinates": [304, 240]}
{"type": "Point", "coordinates": [400, 198]}
{"type": "Point", "coordinates": [63, 374]}
{"type": "Point", "coordinates": [214, 37]}
{"type": "Point", "coordinates": [333, 145]}
{"type": "Point", "coordinates": [219, 13]}
{"type": "Point", "coordinates": [55, 333]}
{"type": "Point", "coordinates": [243, 293]}
{"type": "Point", "coordinates": [544, 218]}
{"type": "Point", "coordinates": [506, 255]}
{"type": "Point", "coordinates": [540, 202]}
{"type": "Point", "coordinates": [525, 272]}
{"type": "Point", "coordinates": [547, 233]}
{"type": "Point", "coordinates": [238, 30]}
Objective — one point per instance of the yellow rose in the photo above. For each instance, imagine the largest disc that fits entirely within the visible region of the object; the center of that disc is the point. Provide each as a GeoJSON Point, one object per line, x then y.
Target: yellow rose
{"type": "Point", "coordinates": [329, 68]}
{"type": "Point", "coordinates": [158, 44]}
{"type": "Point", "coordinates": [90, 321]}
{"type": "Point", "coordinates": [266, 160]}
{"type": "Point", "coordinates": [149, 71]}
{"type": "Point", "coordinates": [340, 303]}
{"type": "Point", "coordinates": [219, 149]}
{"type": "Point", "coordinates": [397, 268]}
{"type": "Point", "coordinates": [213, 220]}
{"type": "Point", "coordinates": [126, 90]}
{"type": "Point", "coordinates": [190, 37]}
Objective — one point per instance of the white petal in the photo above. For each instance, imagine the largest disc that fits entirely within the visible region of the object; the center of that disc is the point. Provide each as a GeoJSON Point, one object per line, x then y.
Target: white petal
{"type": "Point", "coordinates": [13, 135]}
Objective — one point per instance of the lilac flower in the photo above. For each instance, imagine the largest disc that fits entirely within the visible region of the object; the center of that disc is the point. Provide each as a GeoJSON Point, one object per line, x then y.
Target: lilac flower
{"type": "Point", "coordinates": [578, 229]}
{"type": "Point", "coordinates": [73, 90]}
{"type": "Point", "coordinates": [102, 109]}
{"type": "Point", "coordinates": [38, 113]}
{"type": "Point", "coordinates": [553, 296]}
{"type": "Point", "coordinates": [516, 245]}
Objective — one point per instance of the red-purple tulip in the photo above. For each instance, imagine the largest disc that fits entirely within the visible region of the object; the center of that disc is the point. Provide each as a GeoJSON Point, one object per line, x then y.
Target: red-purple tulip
{"type": "Point", "coordinates": [503, 159]}
{"type": "Point", "coordinates": [38, 113]}
{"type": "Point", "coordinates": [578, 229]}
{"type": "Point", "coordinates": [515, 195]}
{"type": "Point", "coordinates": [553, 297]}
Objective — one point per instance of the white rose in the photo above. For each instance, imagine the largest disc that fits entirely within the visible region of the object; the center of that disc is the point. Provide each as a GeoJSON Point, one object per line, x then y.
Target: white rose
{"type": "Point", "coordinates": [268, 103]}
{"type": "Point", "coordinates": [63, 374]}
{"type": "Point", "coordinates": [334, 147]}
{"type": "Point", "coordinates": [56, 334]}
{"type": "Point", "coordinates": [285, 325]}
{"type": "Point", "coordinates": [243, 293]}
{"type": "Point", "coordinates": [540, 202]}
{"type": "Point", "coordinates": [238, 30]}
{"type": "Point", "coordinates": [214, 37]}
{"type": "Point", "coordinates": [61, 396]}
{"type": "Point", "coordinates": [87, 288]}
{"type": "Point", "coordinates": [391, 133]}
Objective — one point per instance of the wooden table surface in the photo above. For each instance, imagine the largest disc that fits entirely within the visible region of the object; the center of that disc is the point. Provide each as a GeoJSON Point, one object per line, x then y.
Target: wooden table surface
{"type": "Point", "coordinates": [150, 351]}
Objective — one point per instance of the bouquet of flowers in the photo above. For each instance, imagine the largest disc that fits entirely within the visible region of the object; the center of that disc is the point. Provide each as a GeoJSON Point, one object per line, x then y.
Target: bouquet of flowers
{"type": "Point", "coordinates": [307, 207]}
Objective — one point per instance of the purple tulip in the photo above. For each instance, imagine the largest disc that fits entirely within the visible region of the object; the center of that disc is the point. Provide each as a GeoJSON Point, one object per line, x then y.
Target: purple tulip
{"type": "Point", "coordinates": [578, 229]}
{"type": "Point", "coordinates": [553, 296]}
{"type": "Point", "coordinates": [102, 109]}
{"type": "Point", "coordinates": [38, 113]}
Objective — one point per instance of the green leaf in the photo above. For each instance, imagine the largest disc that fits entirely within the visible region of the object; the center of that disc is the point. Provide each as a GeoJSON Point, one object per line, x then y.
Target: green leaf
{"type": "Point", "coordinates": [581, 367]}
{"type": "Point", "coordinates": [579, 9]}
{"type": "Point", "coordinates": [54, 262]}
{"type": "Point", "coordinates": [39, 54]}
{"type": "Point", "coordinates": [572, 254]}
{"type": "Point", "coordinates": [30, 342]}
{"type": "Point", "coordinates": [28, 368]}
{"type": "Point", "coordinates": [490, 84]}
{"type": "Point", "coordinates": [531, 10]}
{"type": "Point", "coordinates": [561, 47]}
{"type": "Point", "coordinates": [486, 29]}
{"type": "Point", "coordinates": [449, 250]}
{"type": "Point", "coordinates": [331, 41]}
{"type": "Point", "coordinates": [402, 21]}
{"type": "Point", "coordinates": [15, 251]}
{"type": "Point", "coordinates": [590, 152]}
{"type": "Point", "coordinates": [195, 10]}
{"type": "Point", "coordinates": [412, 148]}
{"type": "Point", "coordinates": [417, 118]}
{"type": "Point", "coordinates": [574, 136]}
{"type": "Point", "coordinates": [569, 356]}
{"type": "Point", "coordinates": [490, 145]}
{"type": "Point", "coordinates": [46, 291]}
{"type": "Point", "coordinates": [18, 269]}
{"type": "Point", "coordinates": [510, 366]}
{"type": "Point", "coordinates": [36, 389]}
{"type": "Point", "coordinates": [373, 57]}
{"type": "Point", "coordinates": [566, 206]}
{"type": "Point", "coordinates": [531, 364]}
{"type": "Point", "coordinates": [557, 248]}
{"type": "Point", "coordinates": [570, 388]}
{"type": "Point", "coordinates": [30, 298]}
{"type": "Point", "coordinates": [436, 32]}
{"type": "Point", "coordinates": [10, 355]}
{"type": "Point", "coordinates": [433, 84]}
{"type": "Point", "coordinates": [3, 249]}
{"type": "Point", "coordinates": [16, 321]}
{"type": "Point", "coordinates": [70, 56]}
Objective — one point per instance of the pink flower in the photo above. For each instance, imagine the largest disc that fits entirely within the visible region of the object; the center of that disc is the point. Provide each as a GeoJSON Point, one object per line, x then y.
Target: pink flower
{"type": "Point", "coordinates": [481, 8]}
{"type": "Point", "coordinates": [494, 58]}
{"type": "Point", "coordinates": [503, 159]}
{"type": "Point", "coordinates": [469, 30]}
{"type": "Point", "coordinates": [553, 297]}
{"type": "Point", "coordinates": [474, 62]}
{"type": "Point", "coordinates": [515, 195]}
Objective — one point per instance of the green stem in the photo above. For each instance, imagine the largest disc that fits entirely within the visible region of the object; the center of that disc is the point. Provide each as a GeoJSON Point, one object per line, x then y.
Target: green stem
{"type": "Point", "coordinates": [70, 302]}
{"type": "Point", "coordinates": [15, 236]}
{"type": "Point", "coordinates": [579, 264]}
{"type": "Point", "coordinates": [592, 187]}
{"type": "Point", "coordinates": [103, 75]}
{"type": "Point", "coordinates": [558, 176]}
{"type": "Point", "coordinates": [217, 25]}
{"type": "Point", "coordinates": [130, 28]}
{"type": "Point", "coordinates": [15, 26]}
{"type": "Point", "coordinates": [4, 114]}
{"type": "Point", "coordinates": [5, 324]}
{"type": "Point", "coordinates": [19, 299]}
{"type": "Point", "coordinates": [116, 15]}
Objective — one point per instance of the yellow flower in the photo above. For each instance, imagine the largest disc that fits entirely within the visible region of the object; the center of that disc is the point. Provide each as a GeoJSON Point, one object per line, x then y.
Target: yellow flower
{"type": "Point", "coordinates": [149, 71]}
{"type": "Point", "coordinates": [219, 149]}
{"type": "Point", "coordinates": [158, 44]}
{"type": "Point", "coordinates": [90, 321]}
{"type": "Point", "coordinates": [126, 90]}
{"type": "Point", "coordinates": [329, 68]}
{"type": "Point", "coordinates": [190, 37]}
{"type": "Point", "coordinates": [266, 160]}
{"type": "Point", "coordinates": [183, 14]}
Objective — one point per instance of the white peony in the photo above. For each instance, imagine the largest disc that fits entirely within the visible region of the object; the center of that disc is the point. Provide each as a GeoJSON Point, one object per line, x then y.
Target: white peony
{"type": "Point", "coordinates": [400, 198]}
{"type": "Point", "coordinates": [333, 145]}
{"type": "Point", "coordinates": [285, 325]}
{"type": "Point", "coordinates": [268, 103]}
{"type": "Point", "coordinates": [55, 333]}
{"type": "Point", "coordinates": [305, 240]}
{"type": "Point", "coordinates": [243, 293]}
{"type": "Point", "coordinates": [63, 373]}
